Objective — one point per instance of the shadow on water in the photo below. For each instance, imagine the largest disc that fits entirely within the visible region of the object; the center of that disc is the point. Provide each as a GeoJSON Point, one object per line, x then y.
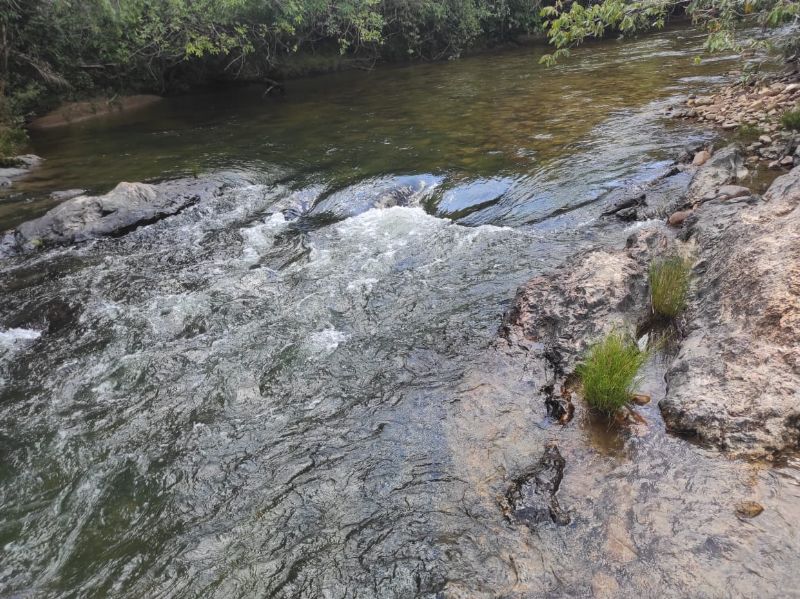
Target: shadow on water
{"type": "Point", "coordinates": [291, 390]}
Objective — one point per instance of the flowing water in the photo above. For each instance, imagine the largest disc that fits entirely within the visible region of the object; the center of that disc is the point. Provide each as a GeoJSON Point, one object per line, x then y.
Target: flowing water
{"type": "Point", "coordinates": [234, 402]}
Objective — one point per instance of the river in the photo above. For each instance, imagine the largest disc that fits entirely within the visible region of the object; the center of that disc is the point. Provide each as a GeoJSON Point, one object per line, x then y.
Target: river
{"type": "Point", "coordinates": [236, 403]}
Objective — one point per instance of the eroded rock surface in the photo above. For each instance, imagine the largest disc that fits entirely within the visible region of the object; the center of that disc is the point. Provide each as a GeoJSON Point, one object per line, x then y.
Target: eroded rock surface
{"type": "Point", "coordinates": [736, 380]}
{"type": "Point", "coordinates": [127, 206]}
{"type": "Point", "coordinates": [558, 315]}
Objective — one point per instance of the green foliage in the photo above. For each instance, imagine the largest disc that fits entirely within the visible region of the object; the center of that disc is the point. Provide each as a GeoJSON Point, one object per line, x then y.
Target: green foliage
{"type": "Point", "coordinates": [791, 119]}
{"type": "Point", "coordinates": [12, 135]}
{"type": "Point", "coordinates": [55, 50]}
{"type": "Point", "coordinates": [669, 285]}
{"type": "Point", "coordinates": [568, 27]}
{"type": "Point", "coordinates": [68, 49]}
{"type": "Point", "coordinates": [747, 133]}
{"type": "Point", "coordinates": [610, 371]}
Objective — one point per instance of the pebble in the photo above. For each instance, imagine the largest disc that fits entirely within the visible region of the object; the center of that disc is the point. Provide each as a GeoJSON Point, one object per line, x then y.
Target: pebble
{"type": "Point", "coordinates": [749, 509]}
{"type": "Point", "coordinates": [701, 158]}
{"type": "Point", "coordinates": [642, 399]}
{"type": "Point", "coordinates": [787, 161]}
{"type": "Point", "coordinates": [676, 220]}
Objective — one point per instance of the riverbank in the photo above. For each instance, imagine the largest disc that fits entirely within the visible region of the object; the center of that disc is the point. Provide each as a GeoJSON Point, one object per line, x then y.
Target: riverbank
{"type": "Point", "coordinates": [763, 114]}
{"type": "Point", "coordinates": [733, 378]}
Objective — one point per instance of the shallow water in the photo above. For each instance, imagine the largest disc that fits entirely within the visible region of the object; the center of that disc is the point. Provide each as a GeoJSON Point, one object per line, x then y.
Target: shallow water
{"type": "Point", "coordinates": [292, 390]}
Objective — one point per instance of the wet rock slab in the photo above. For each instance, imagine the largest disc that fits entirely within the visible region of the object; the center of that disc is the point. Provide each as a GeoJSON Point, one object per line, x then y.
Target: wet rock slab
{"type": "Point", "coordinates": [127, 206]}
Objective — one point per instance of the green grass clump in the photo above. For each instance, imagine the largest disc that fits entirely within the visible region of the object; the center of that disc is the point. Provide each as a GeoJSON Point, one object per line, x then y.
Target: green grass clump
{"type": "Point", "coordinates": [610, 372]}
{"type": "Point", "coordinates": [791, 119]}
{"type": "Point", "coordinates": [669, 284]}
{"type": "Point", "coordinates": [747, 133]}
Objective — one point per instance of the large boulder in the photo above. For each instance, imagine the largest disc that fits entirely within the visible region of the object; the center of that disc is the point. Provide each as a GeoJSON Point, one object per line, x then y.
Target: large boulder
{"type": "Point", "coordinates": [127, 206]}
{"type": "Point", "coordinates": [736, 380]}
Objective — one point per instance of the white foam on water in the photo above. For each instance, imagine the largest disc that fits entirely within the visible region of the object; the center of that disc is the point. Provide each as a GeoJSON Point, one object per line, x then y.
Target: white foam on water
{"type": "Point", "coordinates": [327, 340]}
{"type": "Point", "coordinates": [259, 238]}
{"type": "Point", "coordinates": [12, 337]}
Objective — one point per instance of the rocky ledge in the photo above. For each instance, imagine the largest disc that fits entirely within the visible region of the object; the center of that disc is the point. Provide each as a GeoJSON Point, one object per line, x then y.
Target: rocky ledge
{"type": "Point", "coordinates": [735, 380]}
{"type": "Point", "coordinates": [126, 207]}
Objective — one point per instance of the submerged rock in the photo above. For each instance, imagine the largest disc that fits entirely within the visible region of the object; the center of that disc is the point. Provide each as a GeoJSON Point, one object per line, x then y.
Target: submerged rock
{"type": "Point", "coordinates": [127, 206]}
{"type": "Point", "coordinates": [736, 380]}
{"type": "Point", "coordinates": [382, 192]}
{"type": "Point", "coordinates": [531, 498]}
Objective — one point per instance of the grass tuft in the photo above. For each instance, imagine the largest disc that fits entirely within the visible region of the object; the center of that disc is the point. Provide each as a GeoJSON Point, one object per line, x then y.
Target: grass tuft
{"type": "Point", "coordinates": [747, 133]}
{"type": "Point", "coordinates": [791, 119]}
{"type": "Point", "coordinates": [669, 285]}
{"type": "Point", "coordinates": [610, 372]}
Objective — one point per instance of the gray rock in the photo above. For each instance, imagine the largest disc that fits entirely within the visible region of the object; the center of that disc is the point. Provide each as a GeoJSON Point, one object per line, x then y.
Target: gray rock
{"type": "Point", "coordinates": [12, 172]}
{"type": "Point", "coordinates": [30, 160]}
{"type": "Point", "coordinates": [725, 166]}
{"type": "Point", "coordinates": [127, 206]}
{"type": "Point", "coordinates": [67, 194]}
{"type": "Point", "coordinates": [559, 315]}
{"type": "Point", "coordinates": [733, 191]}
{"type": "Point", "coordinates": [24, 164]}
{"type": "Point", "coordinates": [736, 380]}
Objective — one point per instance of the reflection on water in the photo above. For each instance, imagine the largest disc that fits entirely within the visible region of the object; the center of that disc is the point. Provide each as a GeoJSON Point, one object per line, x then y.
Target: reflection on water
{"type": "Point", "coordinates": [292, 390]}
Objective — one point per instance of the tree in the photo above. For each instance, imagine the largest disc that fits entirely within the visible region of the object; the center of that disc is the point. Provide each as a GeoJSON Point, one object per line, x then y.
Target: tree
{"type": "Point", "coordinates": [570, 23]}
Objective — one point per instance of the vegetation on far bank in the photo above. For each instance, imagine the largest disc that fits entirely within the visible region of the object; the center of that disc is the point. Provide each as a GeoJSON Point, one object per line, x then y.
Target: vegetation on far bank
{"type": "Point", "coordinates": [56, 50]}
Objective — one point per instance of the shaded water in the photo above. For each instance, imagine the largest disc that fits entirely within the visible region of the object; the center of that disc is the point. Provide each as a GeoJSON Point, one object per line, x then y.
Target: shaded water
{"type": "Point", "coordinates": [232, 403]}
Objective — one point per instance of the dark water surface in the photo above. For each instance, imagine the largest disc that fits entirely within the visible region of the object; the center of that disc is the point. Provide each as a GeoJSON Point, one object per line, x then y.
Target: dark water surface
{"type": "Point", "coordinates": [227, 404]}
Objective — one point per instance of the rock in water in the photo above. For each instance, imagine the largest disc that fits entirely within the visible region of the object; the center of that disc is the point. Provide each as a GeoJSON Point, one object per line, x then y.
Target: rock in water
{"type": "Point", "coordinates": [127, 206]}
{"type": "Point", "coordinates": [749, 509]}
{"type": "Point", "coordinates": [531, 498]}
{"type": "Point", "coordinates": [736, 381]}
